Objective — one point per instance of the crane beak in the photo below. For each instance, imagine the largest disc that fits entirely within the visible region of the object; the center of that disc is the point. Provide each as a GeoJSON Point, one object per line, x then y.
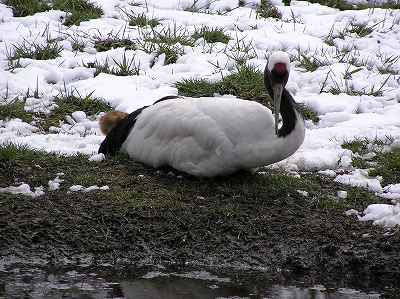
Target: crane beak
{"type": "Point", "coordinates": [277, 88]}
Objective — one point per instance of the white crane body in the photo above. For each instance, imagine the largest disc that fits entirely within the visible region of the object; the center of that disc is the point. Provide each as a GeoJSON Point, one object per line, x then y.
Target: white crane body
{"type": "Point", "coordinates": [209, 137]}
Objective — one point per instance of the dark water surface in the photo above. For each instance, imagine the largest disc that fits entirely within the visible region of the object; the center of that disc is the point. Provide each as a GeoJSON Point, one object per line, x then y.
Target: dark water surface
{"type": "Point", "coordinates": [31, 281]}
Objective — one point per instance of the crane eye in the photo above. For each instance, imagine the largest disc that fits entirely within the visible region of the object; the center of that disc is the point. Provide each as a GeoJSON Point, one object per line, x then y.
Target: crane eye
{"type": "Point", "coordinates": [280, 68]}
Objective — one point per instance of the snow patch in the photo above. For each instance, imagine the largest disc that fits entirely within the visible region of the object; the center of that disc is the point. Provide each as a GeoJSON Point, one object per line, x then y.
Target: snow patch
{"type": "Point", "coordinates": [79, 188]}
{"type": "Point", "coordinates": [382, 214]}
{"type": "Point", "coordinates": [97, 157]}
{"type": "Point", "coordinates": [24, 189]}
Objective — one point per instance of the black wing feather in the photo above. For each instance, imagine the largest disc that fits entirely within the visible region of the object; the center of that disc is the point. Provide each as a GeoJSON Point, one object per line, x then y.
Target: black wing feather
{"type": "Point", "coordinates": [117, 136]}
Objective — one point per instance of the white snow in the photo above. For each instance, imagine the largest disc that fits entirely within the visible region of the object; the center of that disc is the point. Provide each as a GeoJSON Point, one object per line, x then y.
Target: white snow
{"type": "Point", "coordinates": [97, 158]}
{"type": "Point", "coordinates": [79, 188]}
{"type": "Point", "coordinates": [343, 117]}
{"type": "Point", "coordinates": [342, 194]}
{"type": "Point", "coordinates": [24, 189]}
{"type": "Point", "coordinates": [382, 214]}
{"type": "Point", "coordinates": [55, 184]}
{"type": "Point", "coordinates": [359, 178]}
{"type": "Point", "coordinates": [302, 192]}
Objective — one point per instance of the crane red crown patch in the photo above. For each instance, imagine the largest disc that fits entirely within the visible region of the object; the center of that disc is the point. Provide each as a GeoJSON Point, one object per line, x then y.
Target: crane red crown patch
{"type": "Point", "coordinates": [280, 68]}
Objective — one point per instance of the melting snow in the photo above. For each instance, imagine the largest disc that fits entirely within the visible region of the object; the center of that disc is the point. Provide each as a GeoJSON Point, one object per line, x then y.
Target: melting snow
{"type": "Point", "coordinates": [383, 214]}
{"type": "Point", "coordinates": [78, 188]}
{"type": "Point", "coordinates": [55, 184]}
{"type": "Point", "coordinates": [24, 189]}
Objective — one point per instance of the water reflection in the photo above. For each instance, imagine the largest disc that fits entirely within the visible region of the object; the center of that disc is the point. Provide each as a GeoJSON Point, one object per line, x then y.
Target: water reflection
{"type": "Point", "coordinates": [177, 288]}
{"type": "Point", "coordinates": [35, 283]}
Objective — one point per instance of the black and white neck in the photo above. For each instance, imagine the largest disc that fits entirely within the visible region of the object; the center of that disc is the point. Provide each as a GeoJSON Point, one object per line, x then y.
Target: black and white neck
{"type": "Point", "coordinates": [276, 76]}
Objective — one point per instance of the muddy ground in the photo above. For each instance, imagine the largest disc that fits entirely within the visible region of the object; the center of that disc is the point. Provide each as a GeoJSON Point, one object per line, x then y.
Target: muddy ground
{"type": "Point", "coordinates": [160, 217]}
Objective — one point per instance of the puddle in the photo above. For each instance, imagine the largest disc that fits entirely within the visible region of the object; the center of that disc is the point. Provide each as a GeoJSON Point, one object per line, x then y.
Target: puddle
{"type": "Point", "coordinates": [32, 282]}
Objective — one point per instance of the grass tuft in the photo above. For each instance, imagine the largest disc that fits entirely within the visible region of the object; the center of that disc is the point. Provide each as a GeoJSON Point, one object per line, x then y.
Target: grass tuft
{"type": "Point", "coordinates": [23, 8]}
{"type": "Point", "coordinates": [309, 63]}
{"type": "Point", "coordinates": [308, 113]}
{"type": "Point", "coordinates": [388, 167]}
{"type": "Point", "coordinates": [344, 5]}
{"type": "Point", "coordinates": [196, 88]}
{"type": "Point", "coordinates": [211, 35]}
{"type": "Point", "coordinates": [363, 146]}
{"type": "Point", "coordinates": [171, 35]}
{"type": "Point", "coordinates": [386, 64]}
{"type": "Point", "coordinates": [123, 67]}
{"type": "Point", "coordinates": [172, 52]}
{"type": "Point", "coordinates": [247, 83]}
{"type": "Point", "coordinates": [103, 45]}
{"type": "Point", "coordinates": [15, 109]}
{"type": "Point", "coordinates": [361, 30]}
{"type": "Point", "coordinates": [267, 10]}
{"type": "Point", "coordinates": [69, 101]}
{"type": "Point", "coordinates": [141, 20]}
{"type": "Point", "coordinates": [34, 50]}
{"type": "Point", "coordinates": [79, 11]}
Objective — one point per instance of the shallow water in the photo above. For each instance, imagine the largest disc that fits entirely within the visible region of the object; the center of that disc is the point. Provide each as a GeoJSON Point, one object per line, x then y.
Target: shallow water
{"type": "Point", "coordinates": [23, 281]}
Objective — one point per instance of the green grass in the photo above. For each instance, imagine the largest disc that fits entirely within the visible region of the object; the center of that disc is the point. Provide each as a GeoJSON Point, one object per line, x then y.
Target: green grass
{"type": "Point", "coordinates": [131, 191]}
{"type": "Point", "coordinates": [23, 8]}
{"type": "Point", "coordinates": [363, 146]}
{"type": "Point", "coordinates": [34, 50]}
{"type": "Point", "coordinates": [196, 88]}
{"type": "Point", "coordinates": [141, 20]}
{"type": "Point", "coordinates": [343, 5]}
{"type": "Point", "coordinates": [388, 167]}
{"type": "Point", "coordinates": [358, 145]}
{"type": "Point", "coordinates": [361, 30]}
{"type": "Point", "coordinates": [246, 82]}
{"type": "Point", "coordinates": [69, 102]}
{"type": "Point", "coordinates": [14, 159]}
{"type": "Point", "coordinates": [339, 4]}
{"type": "Point", "coordinates": [102, 45]}
{"type": "Point", "coordinates": [386, 64]}
{"type": "Point", "coordinates": [308, 113]}
{"type": "Point", "coordinates": [122, 67]}
{"type": "Point", "coordinates": [15, 109]}
{"type": "Point", "coordinates": [211, 35]}
{"type": "Point", "coordinates": [357, 198]}
{"type": "Point", "coordinates": [267, 10]}
{"type": "Point", "coordinates": [171, 35]}
{"type": "Point", "coordinates": [172, 52]}
{"type": "Point", "coordinates": [79, 10]}
{"type": "Point", "coordinates": [78, 46]}
{"type": "Point", "coordinates": [309, 62]}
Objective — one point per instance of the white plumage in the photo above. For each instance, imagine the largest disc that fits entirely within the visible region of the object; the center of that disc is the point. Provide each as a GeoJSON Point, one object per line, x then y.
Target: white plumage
{"type": "Point", "coordinates": [213, 136]}
{"type": "Point", "coordinates": [209, 136]}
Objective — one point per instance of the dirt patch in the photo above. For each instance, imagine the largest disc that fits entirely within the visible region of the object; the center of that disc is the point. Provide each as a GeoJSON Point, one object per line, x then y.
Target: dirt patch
{"type": "Point", "coordinates": [244, 220]}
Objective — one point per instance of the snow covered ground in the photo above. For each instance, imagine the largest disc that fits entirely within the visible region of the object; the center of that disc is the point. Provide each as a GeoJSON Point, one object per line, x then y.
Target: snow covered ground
{"type": "Point", "coordinates": [359, 74]}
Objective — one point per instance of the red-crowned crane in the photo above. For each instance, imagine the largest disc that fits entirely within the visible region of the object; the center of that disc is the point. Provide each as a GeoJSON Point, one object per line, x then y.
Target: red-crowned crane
{"type": "Point", "coordinates": [209, 137]}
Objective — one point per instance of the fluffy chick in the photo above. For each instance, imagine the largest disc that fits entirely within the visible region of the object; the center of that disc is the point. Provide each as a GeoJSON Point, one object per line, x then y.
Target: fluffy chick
{"type": "Point", "coordinates": [109, 120]}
